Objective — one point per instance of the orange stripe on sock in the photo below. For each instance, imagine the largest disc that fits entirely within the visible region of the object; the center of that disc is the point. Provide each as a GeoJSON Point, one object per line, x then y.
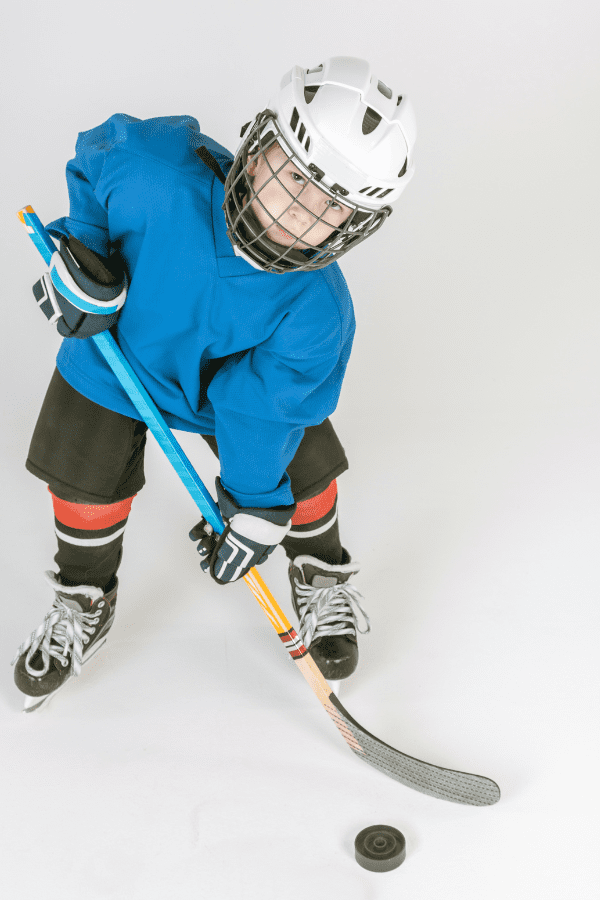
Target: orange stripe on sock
{"type": "Point", "coordinates": [91, 516]}
{"type": "Point", "coordinates": [316, 507]}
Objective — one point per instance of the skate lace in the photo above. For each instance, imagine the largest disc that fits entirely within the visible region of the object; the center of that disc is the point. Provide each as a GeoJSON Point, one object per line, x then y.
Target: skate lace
{"type": "Point", "coordinates": [328, 611]}
{"type": "Point", "coordinates": [64, 631]}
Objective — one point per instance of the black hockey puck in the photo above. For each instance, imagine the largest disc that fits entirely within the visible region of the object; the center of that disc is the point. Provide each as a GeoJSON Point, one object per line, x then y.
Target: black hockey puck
{"type": "Point", "coordinates": [380, 848]}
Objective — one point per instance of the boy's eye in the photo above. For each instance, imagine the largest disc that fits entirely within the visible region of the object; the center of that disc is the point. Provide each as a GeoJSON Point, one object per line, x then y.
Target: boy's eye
{"type": "Point", "coordinates": [299, 178]}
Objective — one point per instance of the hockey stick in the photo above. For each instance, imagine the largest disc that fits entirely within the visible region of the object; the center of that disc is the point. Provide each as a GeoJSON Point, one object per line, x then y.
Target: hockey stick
{"type": "Point", "coordinates": [445, 784]}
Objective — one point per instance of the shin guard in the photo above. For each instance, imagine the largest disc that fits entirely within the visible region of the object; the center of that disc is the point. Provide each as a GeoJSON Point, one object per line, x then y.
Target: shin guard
{"type": "Point", "coordinates": [90, 540]}
{"type": "Point", "coordinates": [315, 530]}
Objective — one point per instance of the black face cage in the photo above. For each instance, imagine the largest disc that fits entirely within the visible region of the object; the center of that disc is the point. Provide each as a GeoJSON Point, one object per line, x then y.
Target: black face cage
{"type": "Point", "coordinates": [246, 232]}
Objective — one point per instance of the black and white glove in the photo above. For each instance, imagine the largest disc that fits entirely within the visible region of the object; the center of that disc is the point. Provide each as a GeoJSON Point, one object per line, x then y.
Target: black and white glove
{"type": "Point", "coordinates": [83, 292]}
{"type": "Point", "coordinates": [249, 537]}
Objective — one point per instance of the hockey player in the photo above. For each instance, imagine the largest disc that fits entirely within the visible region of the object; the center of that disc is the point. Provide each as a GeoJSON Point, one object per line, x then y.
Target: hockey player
{"type": "Point", "coordinates": [235, 315]}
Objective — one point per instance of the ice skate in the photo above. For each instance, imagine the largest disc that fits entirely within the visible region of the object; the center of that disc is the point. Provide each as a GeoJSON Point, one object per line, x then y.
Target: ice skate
{"type": "Point", "coordinates": [71, 633]}
{"type": "Point", "coordinates": [325, 605]}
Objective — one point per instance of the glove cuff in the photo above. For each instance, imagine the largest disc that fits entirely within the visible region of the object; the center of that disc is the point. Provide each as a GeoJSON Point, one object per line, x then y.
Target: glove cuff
{"type": "Point", "coordinates": [85, 286]}
{"type": "Point", "coordinates": [278, 515]}
{"type": "Point", "coordinates": [259, 530]}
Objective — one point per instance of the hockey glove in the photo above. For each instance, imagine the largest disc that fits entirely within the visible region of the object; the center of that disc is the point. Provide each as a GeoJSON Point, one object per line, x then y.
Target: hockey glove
{"type": "Point", "coordinates": [83, 292]}
{"type": "Point", "coordinates": [248, 538]}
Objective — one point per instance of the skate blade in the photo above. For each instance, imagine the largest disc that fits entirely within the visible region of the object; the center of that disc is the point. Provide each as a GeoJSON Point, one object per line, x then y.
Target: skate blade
{"type": "Point", "coordinates": [34, 704]}
{"type": "Point", "coordinates": [335, 686]}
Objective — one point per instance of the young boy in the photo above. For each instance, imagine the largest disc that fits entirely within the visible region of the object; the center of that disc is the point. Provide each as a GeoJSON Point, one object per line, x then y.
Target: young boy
{"type": "Point", "coordinates": [239, 323]}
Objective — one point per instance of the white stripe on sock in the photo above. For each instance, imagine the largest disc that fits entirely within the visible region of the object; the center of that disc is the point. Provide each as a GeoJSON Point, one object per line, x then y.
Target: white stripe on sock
{"type": "Point", "coordinates": [307, 534]}
{"type": "Point", "coordinates": [89, 542]}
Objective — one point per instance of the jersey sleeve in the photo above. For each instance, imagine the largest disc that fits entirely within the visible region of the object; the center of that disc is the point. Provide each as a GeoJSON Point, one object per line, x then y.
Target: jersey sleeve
{"type": "Point", "coordinates": [88, 216]}
{"type": "Point", "coordinates": [92, 175]}
{"type": "Point", "coordinates": [265, 397]}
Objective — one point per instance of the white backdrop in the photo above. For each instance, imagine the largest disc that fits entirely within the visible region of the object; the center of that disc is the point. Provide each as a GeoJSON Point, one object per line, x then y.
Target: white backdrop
{"type": "Point", "coordinates": [192, 760]}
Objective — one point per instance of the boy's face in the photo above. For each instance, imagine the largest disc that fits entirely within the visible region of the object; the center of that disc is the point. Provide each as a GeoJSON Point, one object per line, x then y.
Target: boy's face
{"type": "Point", "coordinates": [297, 214]}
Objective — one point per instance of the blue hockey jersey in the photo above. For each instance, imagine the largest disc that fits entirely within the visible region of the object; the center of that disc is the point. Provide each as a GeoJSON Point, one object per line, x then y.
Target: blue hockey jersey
{"type": "Point", "coordinates": [225, 349]}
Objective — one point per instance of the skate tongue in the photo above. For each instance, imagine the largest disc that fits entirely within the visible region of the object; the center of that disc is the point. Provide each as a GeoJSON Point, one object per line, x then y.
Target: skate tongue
{"type": "Point", "coordinates": [78, 602]}
{"type": "Point", "coordinates": [324, 581]}
{"type": "Point", "coordinates": [79, 598]}
{"type": "Point", "coordinates": [326, 577]}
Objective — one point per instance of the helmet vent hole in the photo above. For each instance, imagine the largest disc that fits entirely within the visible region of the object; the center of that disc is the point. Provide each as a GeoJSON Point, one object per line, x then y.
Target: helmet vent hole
{"type": "Point", "coordinates": [403, 169]}
{"type": "Point", "coordinates": [384, 89]}
{"type": "Point", "coordinates": [399, 100]}
{"type": "Point", "coordinates": [302, 130]}
{"type": "Point", "coordinates": [310, 91]}
{"type": "Point", "coordinates": [370, 191]}
{"type": "Point", "coordinates": [371, 120]}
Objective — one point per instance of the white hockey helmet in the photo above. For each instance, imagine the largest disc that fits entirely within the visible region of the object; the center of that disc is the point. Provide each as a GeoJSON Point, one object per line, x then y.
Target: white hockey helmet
{"type": "Point", "coordinates": [349, 134]}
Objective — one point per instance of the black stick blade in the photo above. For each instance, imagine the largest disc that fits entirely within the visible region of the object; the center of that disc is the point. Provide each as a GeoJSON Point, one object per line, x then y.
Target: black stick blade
{"type": "Point", "coordinates": [444, 784]}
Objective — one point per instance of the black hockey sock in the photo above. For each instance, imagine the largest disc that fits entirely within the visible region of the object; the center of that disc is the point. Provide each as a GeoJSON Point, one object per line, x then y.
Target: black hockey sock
{"type": "Point", "coordinates": [90, 541]}
{"type": "Point", "coordinates": [315, 530]}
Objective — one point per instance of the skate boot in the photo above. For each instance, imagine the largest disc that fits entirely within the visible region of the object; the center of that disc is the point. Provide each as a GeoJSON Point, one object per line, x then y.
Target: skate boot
{"type": "Point", "coordinates": [325, 605]}
{"type": "Point", "coordinates": [71, 633]}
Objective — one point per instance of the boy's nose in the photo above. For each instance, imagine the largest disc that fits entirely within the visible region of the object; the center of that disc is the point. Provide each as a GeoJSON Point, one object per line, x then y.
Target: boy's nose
{"type": "Point", "coordinates": [304, 211]}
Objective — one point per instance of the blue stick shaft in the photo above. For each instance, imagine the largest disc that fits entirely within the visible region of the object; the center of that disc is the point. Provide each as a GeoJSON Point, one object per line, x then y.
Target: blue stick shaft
{"type": "Point", "coordinates": [141, 399]}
